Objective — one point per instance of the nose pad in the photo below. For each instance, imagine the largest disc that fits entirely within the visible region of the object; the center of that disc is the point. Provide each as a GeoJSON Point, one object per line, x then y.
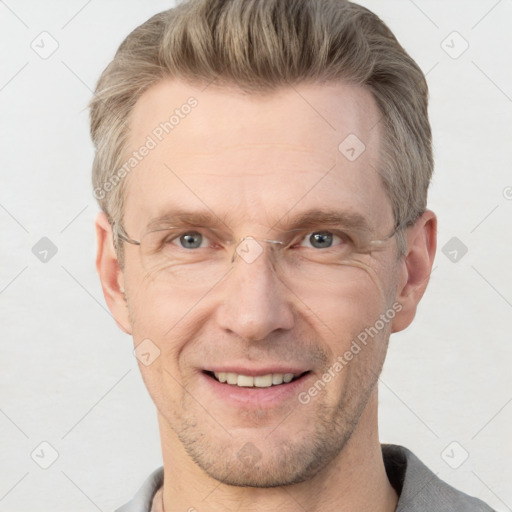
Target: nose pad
{"type": "Point", "coordinates": [250, 249]}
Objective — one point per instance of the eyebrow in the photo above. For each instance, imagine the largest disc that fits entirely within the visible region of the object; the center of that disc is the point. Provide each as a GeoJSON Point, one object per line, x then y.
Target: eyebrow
{"type": "Point", "coordinates": [315, 217]}
{"type": "Point", "coordinates": [180, 218]}
{"type": "Point", "coordinates": [308, 219]}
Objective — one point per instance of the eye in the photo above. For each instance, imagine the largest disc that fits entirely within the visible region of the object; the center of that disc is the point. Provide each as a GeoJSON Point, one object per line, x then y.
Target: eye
{"type": "Point", "coordinates": [189, 240]}
{"type": "Point", "coordinates": [320, 239]}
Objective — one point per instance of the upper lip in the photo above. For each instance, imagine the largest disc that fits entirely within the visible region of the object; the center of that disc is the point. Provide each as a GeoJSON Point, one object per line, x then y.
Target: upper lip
{"type": "Point", "coordinates": [255, 372]}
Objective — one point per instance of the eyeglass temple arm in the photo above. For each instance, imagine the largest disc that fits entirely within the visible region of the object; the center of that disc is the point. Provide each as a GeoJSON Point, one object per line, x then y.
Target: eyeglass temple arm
{"type": "Point", "coordinates": [120, 234]}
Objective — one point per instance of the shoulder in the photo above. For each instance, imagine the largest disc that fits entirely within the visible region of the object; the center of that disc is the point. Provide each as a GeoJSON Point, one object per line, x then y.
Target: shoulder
{"type": "Point", "coordinates": [142, 500]}
{"type": "Point", "coordinates": [420, 490]}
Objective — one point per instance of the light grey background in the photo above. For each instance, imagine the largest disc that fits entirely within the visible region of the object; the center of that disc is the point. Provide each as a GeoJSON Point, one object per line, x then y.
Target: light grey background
{"type": "Point", "coordinates": [68, 375]}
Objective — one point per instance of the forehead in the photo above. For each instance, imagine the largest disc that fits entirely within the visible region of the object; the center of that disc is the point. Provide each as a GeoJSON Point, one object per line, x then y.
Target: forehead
{"type": "Point", "coordinates": [253, 157]}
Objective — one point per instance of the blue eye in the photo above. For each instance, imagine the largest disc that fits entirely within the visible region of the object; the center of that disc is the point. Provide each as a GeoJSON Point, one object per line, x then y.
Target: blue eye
{"type": "Point", "coordinates": [190, 240]}
{"type": "Point", "coordinates": [320, 239]}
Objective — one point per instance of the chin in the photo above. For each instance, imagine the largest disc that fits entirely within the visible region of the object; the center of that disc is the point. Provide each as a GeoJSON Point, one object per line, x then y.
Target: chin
{"type": "Point", "coordinates": [261, 470]}
{"type": "Point", "coordinates": [266, 459]}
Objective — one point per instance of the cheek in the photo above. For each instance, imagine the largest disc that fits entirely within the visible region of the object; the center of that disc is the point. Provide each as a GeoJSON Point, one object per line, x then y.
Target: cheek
{"type": "Point", "coordinates": [167, 318]}
{"type": "Point", "coordinates": [165, 387]}
{"type": "Point", "coordinates": [355, 313]}
{"type": "Point", "coordinates": [164, 320]}
{"type": "Point", "coordinates": [159, 308]}
{"type": "Point", "coordinates": [357, 295]}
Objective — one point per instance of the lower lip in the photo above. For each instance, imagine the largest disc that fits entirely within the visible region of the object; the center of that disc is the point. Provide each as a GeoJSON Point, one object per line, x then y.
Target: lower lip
{"type": "Point", "coordinates": [253, 396]}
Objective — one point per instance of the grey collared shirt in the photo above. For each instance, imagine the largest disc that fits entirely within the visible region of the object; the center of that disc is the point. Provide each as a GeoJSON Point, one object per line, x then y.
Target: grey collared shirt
{"type": "Point", "coordinates": [419, 490]}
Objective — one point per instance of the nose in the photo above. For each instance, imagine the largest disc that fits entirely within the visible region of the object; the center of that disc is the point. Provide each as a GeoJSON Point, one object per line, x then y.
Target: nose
{"type": "Point", "coordinates": [256, 302]}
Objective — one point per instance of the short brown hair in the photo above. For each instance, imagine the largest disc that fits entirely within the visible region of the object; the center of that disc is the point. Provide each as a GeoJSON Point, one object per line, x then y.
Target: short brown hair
{"type": "Point", "coordinates": [262, 45]}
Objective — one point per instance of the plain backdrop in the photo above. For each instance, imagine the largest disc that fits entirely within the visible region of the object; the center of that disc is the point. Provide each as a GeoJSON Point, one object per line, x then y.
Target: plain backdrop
{"type": "Point", "coordinates": [68, 376]}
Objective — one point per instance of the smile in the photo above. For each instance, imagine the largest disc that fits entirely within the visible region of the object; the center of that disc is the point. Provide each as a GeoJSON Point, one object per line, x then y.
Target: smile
{"type": "Point", "coordinates": [259, 381]}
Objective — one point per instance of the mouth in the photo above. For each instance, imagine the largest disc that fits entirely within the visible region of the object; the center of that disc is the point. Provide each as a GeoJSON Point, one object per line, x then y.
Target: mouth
{"type": "Point", "coordinates": [255, 381]}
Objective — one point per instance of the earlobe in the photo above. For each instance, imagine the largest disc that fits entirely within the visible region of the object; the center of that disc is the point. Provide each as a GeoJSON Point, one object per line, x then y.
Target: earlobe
{"type": "Point", "coordinates": [416, 268]}
{"type": "Point", "coordinates": [110, 273]}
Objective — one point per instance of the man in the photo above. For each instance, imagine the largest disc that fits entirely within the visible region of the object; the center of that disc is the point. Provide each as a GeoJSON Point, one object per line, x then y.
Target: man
{"type": "Point", "coordinates": [262, 167]}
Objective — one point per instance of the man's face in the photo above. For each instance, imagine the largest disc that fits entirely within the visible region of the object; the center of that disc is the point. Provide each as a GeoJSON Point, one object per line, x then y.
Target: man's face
{"type": "Point", "coordinates": [256, 163]}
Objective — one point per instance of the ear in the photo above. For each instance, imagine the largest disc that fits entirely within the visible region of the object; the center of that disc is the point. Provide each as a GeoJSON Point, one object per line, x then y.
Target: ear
{"type": "Point", "coordinates": [416, 266]}
{"type": "Point", "coordinates": [111, 274]}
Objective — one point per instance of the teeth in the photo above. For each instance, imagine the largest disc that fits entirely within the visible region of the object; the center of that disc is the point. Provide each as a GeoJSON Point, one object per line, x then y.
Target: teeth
{"type": "Point", "coordinates": [261, 381]}
{"type": "Point", "coordinates": [277, 378]}
{"type": "Point", "coordinates": [245, 381]}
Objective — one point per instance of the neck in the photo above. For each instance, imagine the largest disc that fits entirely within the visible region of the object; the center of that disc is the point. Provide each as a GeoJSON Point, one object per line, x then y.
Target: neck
{"type": "Point", "coordinates": [355, 480]}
